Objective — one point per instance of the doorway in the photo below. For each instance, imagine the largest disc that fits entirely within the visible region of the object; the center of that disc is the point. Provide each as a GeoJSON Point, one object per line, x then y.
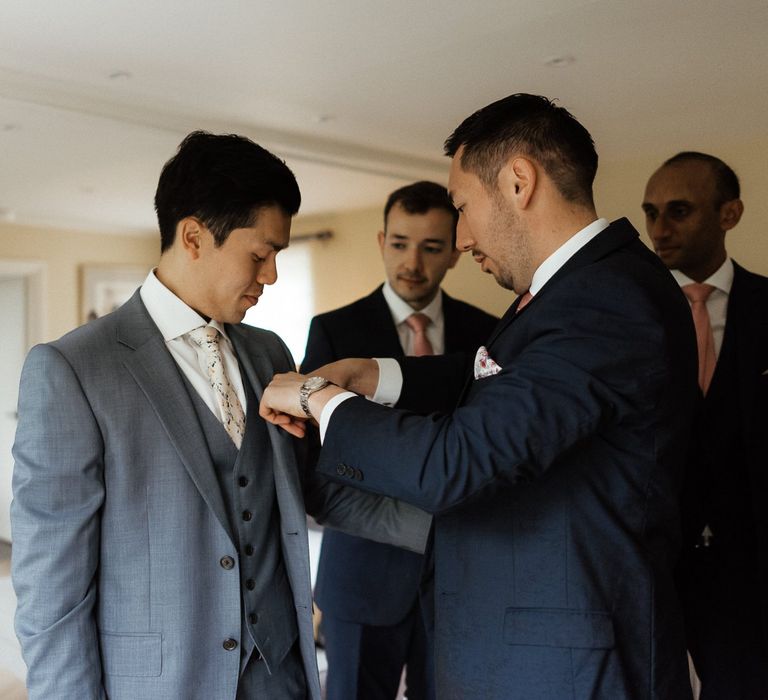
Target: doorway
{"type": "Point", "coordinates": [21, 301]}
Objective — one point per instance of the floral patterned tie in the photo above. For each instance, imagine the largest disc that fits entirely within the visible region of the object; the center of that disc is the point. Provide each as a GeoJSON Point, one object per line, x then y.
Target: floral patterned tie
{"type": "Point", "coordinates": [233, 416]}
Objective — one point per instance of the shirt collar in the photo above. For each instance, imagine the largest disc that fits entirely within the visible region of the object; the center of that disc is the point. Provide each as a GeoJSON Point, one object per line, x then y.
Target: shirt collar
{"type": "Point", "coordinates": [171, 315]}
{"type": "Point", "coordinates": [401, 310]}
{"type": "Point", "coordinates": [565, 252]}
{"type": "Point", "coordinates": [721, 279]}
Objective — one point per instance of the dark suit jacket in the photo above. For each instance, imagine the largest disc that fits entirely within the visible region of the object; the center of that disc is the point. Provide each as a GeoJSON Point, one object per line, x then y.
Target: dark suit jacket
{"type": "Point", "coordinates": [554, 485]}
{"type": "Point", "coordinates": [359, 580]}
{"type": "Point", "coordinates": [726, 482]}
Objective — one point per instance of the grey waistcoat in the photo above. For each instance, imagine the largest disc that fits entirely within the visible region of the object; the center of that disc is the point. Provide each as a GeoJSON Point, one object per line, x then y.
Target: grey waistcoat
{"type": "Point", "coordinates": [247, 485]}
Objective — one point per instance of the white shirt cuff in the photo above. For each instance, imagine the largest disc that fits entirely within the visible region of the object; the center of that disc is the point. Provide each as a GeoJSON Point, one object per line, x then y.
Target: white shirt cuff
{"type": "Point", "coordinates": [390, 384]}
{"type": "Point", "coordinates": [329, 408]}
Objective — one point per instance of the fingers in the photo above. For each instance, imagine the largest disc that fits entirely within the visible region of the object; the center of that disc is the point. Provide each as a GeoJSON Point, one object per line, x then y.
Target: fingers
{"type": "Point", "coordinates": [295, 426]}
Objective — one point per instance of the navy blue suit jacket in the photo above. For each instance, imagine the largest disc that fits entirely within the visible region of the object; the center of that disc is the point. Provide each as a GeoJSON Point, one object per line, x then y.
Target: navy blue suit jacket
{"type": "Point", "coordinates": [554, 485]}
{"type": "Point", "coordinates": [359, 580]}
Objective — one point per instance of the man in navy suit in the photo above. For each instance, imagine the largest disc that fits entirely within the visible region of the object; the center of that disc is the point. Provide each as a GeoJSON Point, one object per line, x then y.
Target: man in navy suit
{"type": "Point", "coordinates": [369, 592]}
{"type": "Point", "coordinates": [690, 203]}
{"type": "Point", "coordinates": [553, 481]}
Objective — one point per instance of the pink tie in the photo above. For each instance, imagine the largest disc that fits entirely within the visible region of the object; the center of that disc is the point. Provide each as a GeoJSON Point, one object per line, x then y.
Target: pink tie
{"type": "Point", "coordinates": [705, 340]}
{"type": "Point", "coordinates": [418, 324]}
{"type": "Point", "coordinates": [524, 299]}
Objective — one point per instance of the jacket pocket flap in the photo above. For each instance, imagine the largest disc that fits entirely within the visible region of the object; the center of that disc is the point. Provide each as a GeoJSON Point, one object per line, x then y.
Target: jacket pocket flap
{"type": "Point", "coordinates": [580, 629]}
{"type": "Point", "coordinates": [131, 654]}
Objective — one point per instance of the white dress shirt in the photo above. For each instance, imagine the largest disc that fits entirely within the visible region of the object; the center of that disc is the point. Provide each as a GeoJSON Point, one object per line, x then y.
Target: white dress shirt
{"type": "Point", "coordinates": [717, 302]}
{"type": "Point", "coordinates": [390, 376]}
{"type": "Point", "coordinates": [174, 319]}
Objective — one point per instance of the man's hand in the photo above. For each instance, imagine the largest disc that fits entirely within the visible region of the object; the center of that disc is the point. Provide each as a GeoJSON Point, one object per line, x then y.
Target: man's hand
{"type": "Point", "coordinates": [280, 402]}
{"type": "Point", "coordinates": [354, 374]}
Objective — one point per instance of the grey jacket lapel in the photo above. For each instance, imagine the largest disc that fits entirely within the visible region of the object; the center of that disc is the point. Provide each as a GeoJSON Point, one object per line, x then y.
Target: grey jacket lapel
{"type": "Point", "coordinates": [259, 362]}
{"type": "Point", "coordinates": [158, 376]}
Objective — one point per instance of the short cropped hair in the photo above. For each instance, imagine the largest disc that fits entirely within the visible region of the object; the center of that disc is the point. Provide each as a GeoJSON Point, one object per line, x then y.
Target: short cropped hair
{"type": "Point", "coordinates": [535, 127]}
{"type": "Point", "coordinates": [727, 185]}
{"type": "Point", "coordinates": [419, 198]}
{"type": "Point", "coordinates": [223, 180]}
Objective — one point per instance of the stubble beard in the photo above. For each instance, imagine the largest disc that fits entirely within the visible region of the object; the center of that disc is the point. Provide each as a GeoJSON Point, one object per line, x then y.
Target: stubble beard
{"type": "Point", "coordinates": [513, 265]}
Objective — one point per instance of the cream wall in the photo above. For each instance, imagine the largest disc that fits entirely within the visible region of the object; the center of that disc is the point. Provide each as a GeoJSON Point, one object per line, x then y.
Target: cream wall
{"type": "Point", "coordinates": [62, 253]}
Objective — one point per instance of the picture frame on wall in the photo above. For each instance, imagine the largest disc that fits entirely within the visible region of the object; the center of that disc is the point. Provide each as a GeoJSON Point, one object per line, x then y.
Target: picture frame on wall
{"type": "Point", "coordinates": [104, 288]}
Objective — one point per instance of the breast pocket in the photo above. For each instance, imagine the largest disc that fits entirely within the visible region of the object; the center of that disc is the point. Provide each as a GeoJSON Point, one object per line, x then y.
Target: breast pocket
{"type": "Point", "coordinates": [131, 654]}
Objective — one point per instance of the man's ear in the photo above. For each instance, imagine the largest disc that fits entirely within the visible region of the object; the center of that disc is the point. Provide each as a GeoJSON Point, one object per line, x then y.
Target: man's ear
{"type": "Point", "coordinates": [380, 237]}
{"type": "Point", "coordinates": [730, 214]}
{"type": "Point", "coordinates": [455, 255]}
{"type": "Point", "coordinates": [517, 181]}
{"type": "Point", "coordinates": [189, 234]}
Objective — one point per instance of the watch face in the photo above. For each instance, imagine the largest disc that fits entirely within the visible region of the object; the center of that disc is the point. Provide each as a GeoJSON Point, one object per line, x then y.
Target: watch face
{"type": "Point", "coordinates": [314, 383]}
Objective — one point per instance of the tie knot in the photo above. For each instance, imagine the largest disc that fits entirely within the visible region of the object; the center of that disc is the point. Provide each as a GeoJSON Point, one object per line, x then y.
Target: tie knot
{"type": "Point", "coordinates": [697, 292]}
{"type": "Point", "coordinates": [207, 337]}
{"type": "Point", "coordinates": [418, 322]}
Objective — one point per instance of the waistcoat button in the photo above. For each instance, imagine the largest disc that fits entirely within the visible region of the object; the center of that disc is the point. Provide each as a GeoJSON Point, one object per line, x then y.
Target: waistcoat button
{"type": "Point", "coordinates": [229, 644]}
{"type": "Point", "coordinates": [227, 562]}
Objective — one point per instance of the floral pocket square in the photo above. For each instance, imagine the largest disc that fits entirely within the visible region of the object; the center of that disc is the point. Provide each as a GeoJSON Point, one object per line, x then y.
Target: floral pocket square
{"type": "Point", "coordinates": [485, 365]}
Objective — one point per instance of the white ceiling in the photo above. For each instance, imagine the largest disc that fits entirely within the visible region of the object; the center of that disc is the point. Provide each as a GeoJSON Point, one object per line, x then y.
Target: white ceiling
{"type": "Point", "coordinates": [356, 95]}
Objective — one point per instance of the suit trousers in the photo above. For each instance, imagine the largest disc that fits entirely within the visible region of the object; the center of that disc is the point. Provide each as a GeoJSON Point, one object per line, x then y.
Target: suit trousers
{"type": "Point", "coordinates": [365, 662]}
{"type": "Point", "coordinates": [725, 636]}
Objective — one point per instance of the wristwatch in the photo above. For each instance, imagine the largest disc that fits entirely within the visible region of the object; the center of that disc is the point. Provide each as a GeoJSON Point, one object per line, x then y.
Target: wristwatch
{"type": "Point", "coordinates": [309, 387]}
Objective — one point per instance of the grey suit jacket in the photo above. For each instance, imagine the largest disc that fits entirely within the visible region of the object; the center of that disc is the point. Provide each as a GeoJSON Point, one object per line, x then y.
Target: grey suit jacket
{"type": "Point", "coordinates": [119, 526]}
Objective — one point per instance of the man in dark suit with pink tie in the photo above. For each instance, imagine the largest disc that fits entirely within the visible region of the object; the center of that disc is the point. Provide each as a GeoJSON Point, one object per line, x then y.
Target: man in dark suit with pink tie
{"type": "Point", "coordinates": [690, 203]}
{"type": "Point", "coordinates": [553, 468]}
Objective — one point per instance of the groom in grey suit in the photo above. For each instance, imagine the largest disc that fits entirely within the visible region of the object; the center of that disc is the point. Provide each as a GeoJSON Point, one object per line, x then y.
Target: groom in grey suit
{"type": "Point", "coordinates": [159, 535]}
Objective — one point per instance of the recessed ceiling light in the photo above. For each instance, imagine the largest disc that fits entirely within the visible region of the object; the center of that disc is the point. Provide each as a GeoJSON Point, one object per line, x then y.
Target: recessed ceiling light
{"type": "Point", "coordinates": [323, 118]}
{"type": "Point", "coordinates": [559, 61]}
{"type": "Point", "coordinates": [120, 75]}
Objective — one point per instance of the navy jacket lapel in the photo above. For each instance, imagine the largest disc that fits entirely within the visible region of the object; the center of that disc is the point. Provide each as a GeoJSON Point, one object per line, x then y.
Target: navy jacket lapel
{"type": "Point", "coordinates": [453, 328]}
{"type": "Point", "coordinates": [155, 371]}
{"type": "Point", "coordinates": [750, 330]}
{"type": "Point", "coordinates": [382, 330]}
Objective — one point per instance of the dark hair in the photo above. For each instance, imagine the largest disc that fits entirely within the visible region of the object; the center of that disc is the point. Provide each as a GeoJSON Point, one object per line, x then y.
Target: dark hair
{"type": "Point", "coordinates": [726, 183]}
{"type": "Point", "coordinates": [223, 180]}
{"type": "Point", "coordinates": [419, 198]}
{"type": "Point", "coordinates": [534, 126]}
